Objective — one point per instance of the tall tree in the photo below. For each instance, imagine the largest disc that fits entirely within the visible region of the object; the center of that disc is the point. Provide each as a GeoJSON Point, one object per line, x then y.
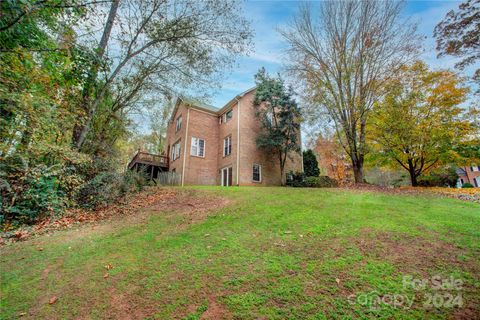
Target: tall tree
{"type": "Point", "coordinates": [419, 122]}
{"type": "Point", "coordinates": [342, 52]}
{"type": "Point", "coordinates": [310, 164]}
{"type": "Point", "coordinates": [280, 118]}
{"type": "Point", "coordinates": [161, 46]}
{"type": "Point", "coordinates": [459, 35]}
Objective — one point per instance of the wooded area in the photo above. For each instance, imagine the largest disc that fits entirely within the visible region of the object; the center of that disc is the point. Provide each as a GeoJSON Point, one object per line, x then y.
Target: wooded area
{"type": "Point", "coordinates": [73, 73]}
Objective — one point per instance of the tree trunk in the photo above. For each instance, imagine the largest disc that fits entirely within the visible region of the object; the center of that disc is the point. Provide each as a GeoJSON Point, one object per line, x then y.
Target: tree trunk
{"type": "Point", "coordinates": [82, 127]}
{"type": "Point", "coordinates": [413, 174]}
{"type": "Point", "coordinates": [357, 166]}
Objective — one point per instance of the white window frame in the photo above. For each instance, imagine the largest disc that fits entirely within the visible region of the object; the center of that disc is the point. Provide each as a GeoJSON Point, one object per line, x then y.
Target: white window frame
{"type": "Point", "coordinates": [195, 148]}
{"type": "Point", "coordinates": [227, 149]}
{"type": "Point", "coordinates": [227, 182]}
{"type": "Point", "coordinates": [178, 124]}
{"type": "Point", "coordinates": [259, 172]}
{"type": "Point", "coordinates": [224, 116]}
{"type": "Point", "coordinates": [176, 150]}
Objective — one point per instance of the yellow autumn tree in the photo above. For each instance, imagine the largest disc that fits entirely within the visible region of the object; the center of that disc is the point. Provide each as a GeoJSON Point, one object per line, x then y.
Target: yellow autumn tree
{"type": "Point", "coordinates": [418, 123]}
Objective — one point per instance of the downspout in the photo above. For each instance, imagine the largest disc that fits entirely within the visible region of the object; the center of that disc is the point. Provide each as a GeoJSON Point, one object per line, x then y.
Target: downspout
{"type": "Point", "coordinates": [238, 141]}
{"type": "Point", "coordinates": [185, 147]}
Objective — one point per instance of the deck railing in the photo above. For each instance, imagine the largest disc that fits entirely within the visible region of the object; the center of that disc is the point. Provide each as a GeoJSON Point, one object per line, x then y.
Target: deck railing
{"type": "Point", "coordinates": [149, 158]}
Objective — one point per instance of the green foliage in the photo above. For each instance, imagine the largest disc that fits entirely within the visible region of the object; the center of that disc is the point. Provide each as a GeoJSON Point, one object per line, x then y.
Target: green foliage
{"type": "Point", "coordinates": [320, 182]}
{"type": "Point", "coordinates": [310, 164]}
{"type": "Point", "coordinates": [279, 115]}
{"type": "Point", "coordinates": [107, 187]}
{"type": "Point", "coordinates": [295, 179]}
{"type": "Point", "coordinates": [467, 185]}
{"type": "Point", "coordinates": [442, 177]}
{"type": "Point", "coordinates": [300, 180]}
{"type": "Point", "coordinates": [28, 193]}
{"type": "Point", "coordinates": [419, 122]}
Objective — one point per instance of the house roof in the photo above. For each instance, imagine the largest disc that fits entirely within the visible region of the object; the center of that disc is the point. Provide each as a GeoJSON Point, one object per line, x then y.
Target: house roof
{"type": "Point", "coordinates": [206, 107]}
{"type": "Point", "coordinates": [200, 104]}
{"type": "Point", "coordinates": [229, 103]}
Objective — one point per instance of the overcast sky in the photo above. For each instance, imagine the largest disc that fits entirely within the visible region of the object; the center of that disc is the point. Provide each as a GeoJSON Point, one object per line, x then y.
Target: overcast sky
{"type": "Point", "coordinates": [268, 16]}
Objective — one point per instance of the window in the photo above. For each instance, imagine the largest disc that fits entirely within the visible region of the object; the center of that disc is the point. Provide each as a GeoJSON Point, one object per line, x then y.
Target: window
{"type": "Point", "coordinates": [198, 147]}
{"type": "Point", "coordinates": [257, 173]}
{"type": "Point", "coordinates": [178, 124]}
{"type": "Point", "coordinates": [227, 176]}
{"type": "Point", "coordinates": [475, 168]}
{"type": "Point", "coordinates": [176, 151]}
{"type": "Point", "coordinates": [476, 181]}
{"type": "Point", "coordinates": [227, 146]}
{"type": "Point", "coordinates": [226, 116]}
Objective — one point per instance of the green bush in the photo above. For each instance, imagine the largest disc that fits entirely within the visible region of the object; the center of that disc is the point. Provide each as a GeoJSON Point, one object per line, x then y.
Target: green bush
{"type": "Point", "coordinates": [27, 193]}
{"type": "Point", "coordinates": [295, 179]}
{"type": "Point", "coordinates": [108, 187]}
{"type": "Point", "coordinates": [467, 185]}
{"type": "Point", "coordinates": [442, 177]}
{"type": "Point", "coordinates": [299, 180]}
{"type": "Point", "coordinates": [320, 182]}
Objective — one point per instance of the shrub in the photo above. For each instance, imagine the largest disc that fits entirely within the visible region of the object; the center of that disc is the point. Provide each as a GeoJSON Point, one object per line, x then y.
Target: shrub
{"type": "Point", "coordinates": [320, 182]}
{"type": "Point", "coordinates": [467, 185]}
{"type": "Point", "coordinates": [107, 187]}
{"type": "Point", "coordinates": [310, 164]}
{"type": "Point", "coordinates": [299, 179]}
{"type": "Point", "coordinates": [27, 193]}
{"type": "Point", "coordinates": [295, 179]}
{"type": "Point", "coordinates": [442, 177]}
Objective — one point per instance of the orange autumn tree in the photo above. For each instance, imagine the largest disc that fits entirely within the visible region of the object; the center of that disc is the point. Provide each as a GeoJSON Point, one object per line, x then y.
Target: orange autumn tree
{"type": "Point", "coordinates": [418, 123]}
{"type": "Point", "coordinates": [332, 159]}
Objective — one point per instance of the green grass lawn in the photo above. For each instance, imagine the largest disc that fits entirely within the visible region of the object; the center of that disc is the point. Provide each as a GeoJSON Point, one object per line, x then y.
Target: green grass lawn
{"type": "Point", "coordinates": [272, 253]}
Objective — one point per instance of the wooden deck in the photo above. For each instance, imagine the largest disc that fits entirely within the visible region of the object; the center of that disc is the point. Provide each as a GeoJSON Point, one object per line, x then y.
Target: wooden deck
{"type": "Point", "coordinates": [150, 163]}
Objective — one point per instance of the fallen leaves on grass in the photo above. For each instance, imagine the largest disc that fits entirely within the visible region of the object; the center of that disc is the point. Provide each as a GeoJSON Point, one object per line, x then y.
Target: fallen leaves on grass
{"type": "Point", "coordinates": [75, 217]}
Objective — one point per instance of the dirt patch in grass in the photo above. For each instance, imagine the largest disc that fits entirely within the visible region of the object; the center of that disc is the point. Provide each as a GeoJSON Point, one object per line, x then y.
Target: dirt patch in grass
{"type": "Point", "coordinates": [215, 310]}
{"type": "Point", "coordinates": [412, 253]}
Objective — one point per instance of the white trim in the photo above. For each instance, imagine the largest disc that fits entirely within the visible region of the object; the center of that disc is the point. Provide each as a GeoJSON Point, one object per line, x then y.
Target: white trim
{"type": "Point", "coordinates": [229, 146]}
{"type": "Point", "coordinates": [197, 146]}
{"type": "Point", "coordinates": [185, 149]}
{"type": "Point", "coordinates": [222, 181]}
{"type": "Point", "coordinates": [238, 143]}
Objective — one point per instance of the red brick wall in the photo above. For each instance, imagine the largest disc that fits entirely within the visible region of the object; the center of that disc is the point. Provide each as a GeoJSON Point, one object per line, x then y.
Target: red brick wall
{"type": "Point", "coordinates": [202, 170]}
{"type": "Point", "coordinates": [228, 129]}
{"type": "Point", "coordinates": [205, 125]}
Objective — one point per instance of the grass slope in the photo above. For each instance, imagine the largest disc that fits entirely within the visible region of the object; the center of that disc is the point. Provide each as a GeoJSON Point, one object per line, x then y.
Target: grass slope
{"type": "Point", "coordinates": [274, 253]}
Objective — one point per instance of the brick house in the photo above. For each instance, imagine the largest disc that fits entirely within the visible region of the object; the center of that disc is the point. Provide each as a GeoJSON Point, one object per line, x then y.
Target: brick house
{"type": "Point", "coordinates": [212, 146]}
{"type": "Point", "coordinates": [470, 175]}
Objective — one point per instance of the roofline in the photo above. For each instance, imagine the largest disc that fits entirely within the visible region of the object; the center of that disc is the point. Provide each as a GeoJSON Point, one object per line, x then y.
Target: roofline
{"type": "Point", "coordinates": [189, 104]}
{"type": "Point", "coordinates": [231, 102]}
